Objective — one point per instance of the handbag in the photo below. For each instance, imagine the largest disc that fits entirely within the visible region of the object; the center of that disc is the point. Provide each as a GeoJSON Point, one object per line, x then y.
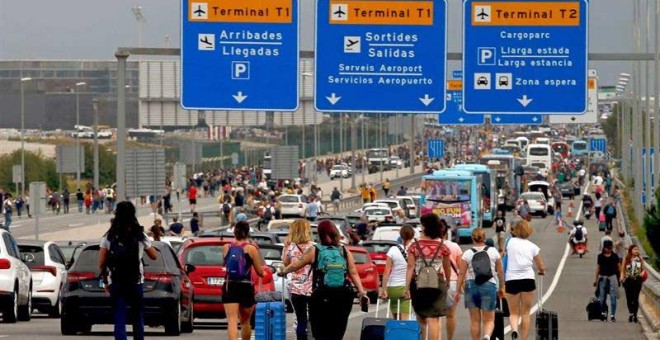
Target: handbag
{"type": "Point", "coordinates": [644, 275]}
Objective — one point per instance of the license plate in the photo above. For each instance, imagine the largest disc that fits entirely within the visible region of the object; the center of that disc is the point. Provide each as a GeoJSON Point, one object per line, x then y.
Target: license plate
{"type": "Point", "coordinates": [215, 281]}
{"type": "Point", "coordinates": [379, 262]}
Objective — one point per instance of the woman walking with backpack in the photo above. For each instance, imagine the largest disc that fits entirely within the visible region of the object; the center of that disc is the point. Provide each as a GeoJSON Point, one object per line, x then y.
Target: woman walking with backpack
{"type": "Point", "coordinates": [520, 283]}
{"type": "Point", "coordinates": [479, 265]}
{"type": "Point", "coordinates": [238, 291]}
{"type": "Point", "coordinates": [120, 261]}
{"type": "Point", "coordinates": [332, 296]}
{"type": "Point", "coordinates": [300, 281]}
{"type": "Point", "coordinates": [428, 257]}
{"type": "Point", "coordinates": [394, 276]}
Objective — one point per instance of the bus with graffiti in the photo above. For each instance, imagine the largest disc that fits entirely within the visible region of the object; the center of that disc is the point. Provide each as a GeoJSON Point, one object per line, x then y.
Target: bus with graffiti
{"type": "Point", "coordinates": [488, 190]}
{"type": "Point", "coordinates": [456, 196]}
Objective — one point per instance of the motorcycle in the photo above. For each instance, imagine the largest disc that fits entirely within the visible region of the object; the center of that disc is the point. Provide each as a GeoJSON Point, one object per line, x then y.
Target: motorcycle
{"type": "Point", "coordinates": [581, 248]}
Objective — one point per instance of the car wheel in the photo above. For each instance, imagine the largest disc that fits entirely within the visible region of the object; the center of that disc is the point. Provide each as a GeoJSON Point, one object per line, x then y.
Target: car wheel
{"type": "Point", "coordinates": [67, 325]}
{"type": "Point", "coordinates": [373, 297]}
{"type": "Point", "coordinates": [25, 312]}
{"type": "Point", "coordinates": [56, 310]}
{"type": "Point", "coordinates": [544, 214]}
{"type": "Point", "coordinates": [188, 325]}
{"type": "Point", "coordinates": [173, 323]}
{"type": "Point", "coordinates": [10, 313]}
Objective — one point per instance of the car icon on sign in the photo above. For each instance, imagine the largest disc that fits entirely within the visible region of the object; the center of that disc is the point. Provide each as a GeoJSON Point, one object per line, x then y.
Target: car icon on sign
{"type": "Point", "coordinates": [504, 81]}
{"type": "Point", "coordinates": [482, 81]}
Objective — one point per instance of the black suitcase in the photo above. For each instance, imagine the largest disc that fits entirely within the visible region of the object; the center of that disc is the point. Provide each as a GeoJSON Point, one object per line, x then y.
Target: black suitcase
{"type": "Point", "coordinates": [594, 311]}
{"type": "Point", "coordinates": [373, 328]}
{"type": "Point", "coordinates": [498, 330]}
{"type": "Point", "coordinates": [502, 305]}
{"type": "Point", "coordinates": [547, 322]}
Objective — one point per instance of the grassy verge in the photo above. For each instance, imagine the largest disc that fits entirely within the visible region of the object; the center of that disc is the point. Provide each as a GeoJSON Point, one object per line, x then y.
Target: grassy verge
{"type": "Point", "coordinates": [639, 230]}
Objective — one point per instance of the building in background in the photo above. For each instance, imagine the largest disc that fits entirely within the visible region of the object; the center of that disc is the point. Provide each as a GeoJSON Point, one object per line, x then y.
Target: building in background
{"type": "Point", "coordinates": [50, 97]}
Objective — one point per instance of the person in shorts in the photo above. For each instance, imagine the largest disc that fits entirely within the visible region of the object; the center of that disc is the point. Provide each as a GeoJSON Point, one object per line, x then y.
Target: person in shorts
{"type": "Point", "coordinates": [481, 294]}
{"type": "Point", "coordinates": [520, 283]}
{"type": "Point", "coordinates": [394, 276]}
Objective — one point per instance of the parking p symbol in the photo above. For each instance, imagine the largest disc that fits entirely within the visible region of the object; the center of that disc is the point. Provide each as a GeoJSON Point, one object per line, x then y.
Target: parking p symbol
{"type": "Point", "coordinates": [240, 70]}
{"type": "Point", "coordinates": [486, 56]}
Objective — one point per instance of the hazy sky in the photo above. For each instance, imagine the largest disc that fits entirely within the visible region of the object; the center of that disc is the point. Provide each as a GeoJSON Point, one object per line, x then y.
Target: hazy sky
{"type": "Point", "coordinates": [92, 29]}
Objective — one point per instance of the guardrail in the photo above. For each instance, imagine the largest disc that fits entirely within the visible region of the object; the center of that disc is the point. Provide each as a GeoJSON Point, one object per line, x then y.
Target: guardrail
{"type": "Point", "coordinates": [651, 288]}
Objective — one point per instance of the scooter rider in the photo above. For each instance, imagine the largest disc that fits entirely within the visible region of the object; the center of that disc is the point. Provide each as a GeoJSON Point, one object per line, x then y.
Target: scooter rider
{"type": "Point", "coordinates": [577, 235]}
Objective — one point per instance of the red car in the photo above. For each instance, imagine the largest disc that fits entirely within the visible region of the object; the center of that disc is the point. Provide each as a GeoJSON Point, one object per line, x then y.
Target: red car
{"type": "Point", "coordinates": [378, 253]}
{"type": "Point", "coordinates": [209, 275]}
{"type": "Point", "coordinates": [367, 271]}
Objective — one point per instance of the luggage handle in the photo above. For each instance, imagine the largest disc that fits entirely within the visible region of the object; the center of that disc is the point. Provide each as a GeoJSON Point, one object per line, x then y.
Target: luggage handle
{"type": "Point", "coordinates": [539, 292]}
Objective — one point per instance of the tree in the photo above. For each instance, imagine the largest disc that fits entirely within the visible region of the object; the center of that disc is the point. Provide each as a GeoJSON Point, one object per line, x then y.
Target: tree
{"type": "Point", "coordinates": [652, 226]}
{"type": "Point", "coordinates": [107, 164]}
{"type": "Point", "coordinates": [38, 168]}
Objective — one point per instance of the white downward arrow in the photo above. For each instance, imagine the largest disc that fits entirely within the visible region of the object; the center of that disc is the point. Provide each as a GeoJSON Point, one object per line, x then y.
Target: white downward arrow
{"type": "Point", "coordinates": [426, 100]}
{"type": "Point", "coordinates": [497, 119]}
{"type": "Point", "coordinates": [333, 99]}
{"type": "Point", "coordinates": [239, 97]}
{"type": "Point", "coordinates": [461, 119]}
{"type": "Point", "coordinates": [535, 119]}
{"type": "Point", "coordinates": [525, 101]}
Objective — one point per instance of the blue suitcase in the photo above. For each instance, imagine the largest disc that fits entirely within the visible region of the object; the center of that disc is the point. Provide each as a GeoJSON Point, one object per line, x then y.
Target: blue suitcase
{"type": "Point", "coordinates": [270, 321]}
{"type": "Point", "coordinates": [403, 329]}
{"type": "Point", "coordinates": [270, 316]}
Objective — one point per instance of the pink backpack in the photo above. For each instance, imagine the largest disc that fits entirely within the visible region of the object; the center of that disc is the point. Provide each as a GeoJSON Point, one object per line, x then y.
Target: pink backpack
{"type": "Point", "coordinates": [601, 218]}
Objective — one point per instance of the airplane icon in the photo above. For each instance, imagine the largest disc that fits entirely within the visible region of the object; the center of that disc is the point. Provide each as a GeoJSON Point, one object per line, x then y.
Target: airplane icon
{"type": "Point", "coordinates": [483, 15]}
{"type": "Point", "coordinates": [206, 41]}
{"type": "Point", "coordinates": [339, 13]}
{"type": "Point", "coordinates": [200, 12]}
{"type": "Point", "coordinates": [352, 42]}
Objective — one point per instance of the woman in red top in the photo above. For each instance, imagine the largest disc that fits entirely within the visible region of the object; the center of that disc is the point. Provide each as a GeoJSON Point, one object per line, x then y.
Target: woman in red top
{"type": "Point", "coordinates": [192, 197]}
{"type": "Point", "coordinates": [429, 304]}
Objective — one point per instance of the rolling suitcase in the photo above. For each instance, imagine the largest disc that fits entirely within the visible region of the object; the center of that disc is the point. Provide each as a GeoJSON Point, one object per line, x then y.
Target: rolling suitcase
{"type": "Point", "coordinates": [594, 309]}
{"type": "Point", "coordinates": [402, 329]}
{"type": "Point", "coordinates": [547, 325]}
{"type": "Point", "coordinates": [270, 316]}
{"type": "Point", "coordinates": [374, 328]}
{"type": "Point", "coordinates": [498, 330]}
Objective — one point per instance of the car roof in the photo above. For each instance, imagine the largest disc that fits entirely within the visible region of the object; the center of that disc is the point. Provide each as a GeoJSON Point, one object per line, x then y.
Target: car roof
{"type": "Point", "coordinates": [357, 248]}
{"type": "Point", "coordinates": [538, 183]}
{"type": "Point", "coordinates": [38, 243]}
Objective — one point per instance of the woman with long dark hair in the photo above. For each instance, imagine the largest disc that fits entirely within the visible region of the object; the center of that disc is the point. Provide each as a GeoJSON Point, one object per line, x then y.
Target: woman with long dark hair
{"type": "Point", "coordinates": [332, 296]}
{"type": "Point", "coordinates": [631, 276]}
{"type": "Point", "coordinates": [120, 261]}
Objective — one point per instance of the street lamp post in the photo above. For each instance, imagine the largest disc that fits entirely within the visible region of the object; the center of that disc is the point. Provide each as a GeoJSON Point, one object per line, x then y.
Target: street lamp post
{"type": "Point", "coordinates": [95, 104]}
{"type": "Point", "coordinates": [23, 80]}
{"type": "Point", "coordinates": [82, 83]}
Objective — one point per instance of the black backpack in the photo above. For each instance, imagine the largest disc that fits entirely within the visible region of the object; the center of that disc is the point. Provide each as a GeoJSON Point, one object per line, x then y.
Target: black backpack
{"type": "Point", "coordinates": [124, 263]}
{"type": "Point", "coordinates": [268, 214]}
{"type": "Point", "coordinates": [481, 266]}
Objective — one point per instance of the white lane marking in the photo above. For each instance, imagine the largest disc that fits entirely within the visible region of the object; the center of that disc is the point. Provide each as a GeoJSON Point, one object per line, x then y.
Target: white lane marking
{"type": "Point", "coordinates": [560, 269]}
{"type": "Point", "coordinates": [76, 224]}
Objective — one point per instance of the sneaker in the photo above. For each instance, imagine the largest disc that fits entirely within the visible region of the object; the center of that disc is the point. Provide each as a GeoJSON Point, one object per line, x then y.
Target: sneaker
{"type": "Point", "coordinates": [612, 319]}
{"type": "Point", "coordinates": [486, 337]}
{"type": "Point", "coordinates": [603, 317]}
{"type": "Point", "coordinates": [631, 318]}
{"type": "Point", "coordinates": [514, 335]}
{"type": "Point", "coordinates": [635, 318]}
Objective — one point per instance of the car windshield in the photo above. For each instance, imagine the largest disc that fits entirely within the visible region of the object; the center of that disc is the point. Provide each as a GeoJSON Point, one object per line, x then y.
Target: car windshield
{"type": "Point", "coordinates": [289, 199]}
{"type": "Point", "coordinates": [448, 190]}
{"type": "Point", "coordinates": [279, 226]}
{"type": "Point", "coordinates": [262, 239]}
{"type": "Point", "coordinates": [336, 167]}
{"type": "Point", "coordinates": [378, 248]}
{"type": "Point", "coordinates": [360, 257]}
{"type": "Point", "coordinates": [205, 255]}
{"type": "Point", "coordinates": [339, 222]}
{"type": "Point", "coordinates": [38, 253]}
{"type": "Point", "coordinates": [89, 261]}
{"type": "Point", "coordinates": [580, 145]}
{"type": "Point", "coordinates": [376, 212]}
{"type": "Point", "coordinates": [390, 204]}
{"type": "Point", "coordinates": [539, 165]}
{"type": "Point", "coordinates": [533, 196]}
{"type": "Point", "coordinates": [539, 151]}
{"type": "Point", "coordinates": [271, 253]}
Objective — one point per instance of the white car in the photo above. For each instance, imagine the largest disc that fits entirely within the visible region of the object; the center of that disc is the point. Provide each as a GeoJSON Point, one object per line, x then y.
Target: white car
{"type": "Point", "coordinates": [409, 202]}
{"type": "Point", "coordinates": [15, 281]}
{"type": "Point", "coordinates": [396, 162]}
{"type": "Point", "coordinates": [378, 214]}
{"type": "Point", "coordinates": [536, 201]}
{"type": "Point", "coordinates": [390, 233]}
{"type": "Point", "coordinates": [279, 225]}
{"type": "Point", "coordinates": [372, 205]}
{"type": "Point", "coordinates": [393, 203]}
{"type": "Point", "coordinates": [272, 255]}
{"type": "Point", "coordinates": [340, 171]}
{"type": "Point", "coordinates": [293, 205]}
{"type": "Point", "coordinates": [48, 266]}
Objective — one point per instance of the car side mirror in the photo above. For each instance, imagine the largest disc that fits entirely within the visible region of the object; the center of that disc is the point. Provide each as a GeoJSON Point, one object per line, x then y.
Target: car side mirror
{"type": "Point", "coordinates": [189, 268]}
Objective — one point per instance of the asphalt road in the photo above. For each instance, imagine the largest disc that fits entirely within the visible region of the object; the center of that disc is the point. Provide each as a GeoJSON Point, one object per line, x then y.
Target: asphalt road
{"type": "Point", "coordinates": [560, 294]}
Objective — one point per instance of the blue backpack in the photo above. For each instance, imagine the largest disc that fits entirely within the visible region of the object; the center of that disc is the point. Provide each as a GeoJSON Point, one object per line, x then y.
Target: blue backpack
{"type": "Point", "coordinates": [236, 264]}
{"type": "Point", "coordinates": [331, 266]}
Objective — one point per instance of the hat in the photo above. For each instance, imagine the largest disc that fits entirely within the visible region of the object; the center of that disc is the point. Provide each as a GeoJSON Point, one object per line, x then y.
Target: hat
{"type": "Point", "coordinates": [489, 242]}
{"type": "Point", "coordinates": [240, 217]}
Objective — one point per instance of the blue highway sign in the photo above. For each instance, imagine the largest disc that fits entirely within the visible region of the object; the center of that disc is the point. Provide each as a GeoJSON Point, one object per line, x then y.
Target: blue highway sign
{"type": "Point", "coordinates": [454, 114]}
{"type": "Point", "coordinates": [598, 144]}
{"type": "Point", "coordinates": [436, 148]}
{"type": "Point", "coordinates": [525, 56]}
{"type": "Point", "coordinates": [380, 56]}
{"type": "Point", "coordinates": [240, 55]}
{"type": "Point", "coordinates": [525, 119]}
